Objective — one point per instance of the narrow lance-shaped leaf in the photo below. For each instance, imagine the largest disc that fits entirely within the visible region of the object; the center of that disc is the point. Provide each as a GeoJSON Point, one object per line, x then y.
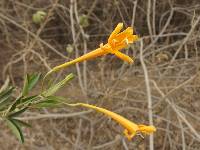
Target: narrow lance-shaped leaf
{"type": "Point", "coordinates": [50, 101]}
{"type": "Point", "coordinates": [14, 104]}
{"type": "Point", "coordinates": [21, 123]}
{"type": "Point", "coordinates": [47, 103]}
{"type": "Point", "coordinates": [5, 98]}
{"type": "Point", "coordinates": [15, 129]}
{"type": "Point", "coordinates": [54, 88]}
{"type": "Point", "coordinates": [30, 82]}
{"type": "Point", "coordinates": [29, 99]}
{"type": "Point", "coordinates": [17, 113]}
{"type": "Point", "coordinates": [20, 100]}
{"type": "Point", "coordinates": [4, 95]}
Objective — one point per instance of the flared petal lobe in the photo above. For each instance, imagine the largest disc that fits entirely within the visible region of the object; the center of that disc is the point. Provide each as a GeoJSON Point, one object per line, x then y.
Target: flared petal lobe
{"type": "Point", "coordinates": [117, 29]}
{"type": "Point", "coordinates": [124, 57]}
{"type": "Point", "coordinates": [146, 129]}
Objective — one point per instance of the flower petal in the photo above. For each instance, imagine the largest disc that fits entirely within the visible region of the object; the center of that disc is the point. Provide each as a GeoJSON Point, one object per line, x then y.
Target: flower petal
{"type": "Point", "coordinates": [115, 32]}
{"type": "Point", "coordinates": [127, 34]}
{"type": "Point", "coordinates": [129, 135]}
{"type": "Point", "coordinates": [146, 129]}
{"type": "Point", "coordinates": [127, 31]}
{"type": "Point", "coordinates": [124, 57]}
{"type": "Point", "coordinates": [132, 38]}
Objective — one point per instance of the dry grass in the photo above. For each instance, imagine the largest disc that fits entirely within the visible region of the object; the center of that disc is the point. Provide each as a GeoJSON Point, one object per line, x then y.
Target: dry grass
{"type": "Point", "coordinates": [161, 88]}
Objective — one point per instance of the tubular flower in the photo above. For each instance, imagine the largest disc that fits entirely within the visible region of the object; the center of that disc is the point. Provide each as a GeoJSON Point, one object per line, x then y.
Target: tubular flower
{"type": "Point", "coordinates": [130, 128]}
{"type": "Point", "coordinates": [116, 41]}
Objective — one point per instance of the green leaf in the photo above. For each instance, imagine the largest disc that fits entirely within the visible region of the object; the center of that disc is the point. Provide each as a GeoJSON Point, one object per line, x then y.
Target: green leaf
{"type": "Point", "coordinates": [14, 104]}
{"type": "Point", "coordinates": [16, 129]}
{"type": "Point", "coordinates": [5, 98]}
{"type": "Point", "coordinates": [21, 100]}
{"type": "Point", "coordinates": [47, 103]}
{"type": "Point", "coordinates": [21, 123]}
{"type": "Point", "coordinates": [50, 101]}
{"type": "Point", "coordinates": [4, 95]}
{"type": "Point", "coordinates": [17, 113]}
{"type": "Point", "coordinates": [29, 99]}
{"type": "Point", "coordinates": [5, 105]}
{"type": "Point", "coordinates": [56, 98]}
{"type": "Point", "coordinates": [30, 82]}
{"type": "Point", "coordinates": [54, 88]}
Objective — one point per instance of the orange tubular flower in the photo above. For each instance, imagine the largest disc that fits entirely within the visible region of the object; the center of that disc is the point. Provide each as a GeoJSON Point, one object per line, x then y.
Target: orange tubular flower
{"type": "Point", "coordinates": [131, 129]}
{"type": "Point", "coordinates": [117, 41]}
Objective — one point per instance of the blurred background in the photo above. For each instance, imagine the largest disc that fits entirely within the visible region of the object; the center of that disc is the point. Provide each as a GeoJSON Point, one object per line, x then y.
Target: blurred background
{"type": "Point", "coordinates": [162, 86]}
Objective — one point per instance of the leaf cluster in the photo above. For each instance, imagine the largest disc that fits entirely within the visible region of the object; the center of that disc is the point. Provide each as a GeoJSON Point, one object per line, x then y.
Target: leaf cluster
{"type": "Point", "coordinates": [12, 107]}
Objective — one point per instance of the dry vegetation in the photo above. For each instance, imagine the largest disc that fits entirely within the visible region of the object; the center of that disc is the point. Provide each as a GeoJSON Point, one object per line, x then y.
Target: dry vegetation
{"type": "Point", "coordinates": [162, 87]}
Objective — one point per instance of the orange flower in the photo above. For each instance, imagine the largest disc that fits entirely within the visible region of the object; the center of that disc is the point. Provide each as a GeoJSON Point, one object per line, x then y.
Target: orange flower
{"type": "Point", "coordinates": [117, 41]}
{"type": "Point", "coordinates": [131, 129]}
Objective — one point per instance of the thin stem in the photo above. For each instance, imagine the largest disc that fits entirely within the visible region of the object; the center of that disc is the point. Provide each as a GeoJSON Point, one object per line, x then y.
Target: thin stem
{"type": "Point", "coordinates": [149, 97]}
